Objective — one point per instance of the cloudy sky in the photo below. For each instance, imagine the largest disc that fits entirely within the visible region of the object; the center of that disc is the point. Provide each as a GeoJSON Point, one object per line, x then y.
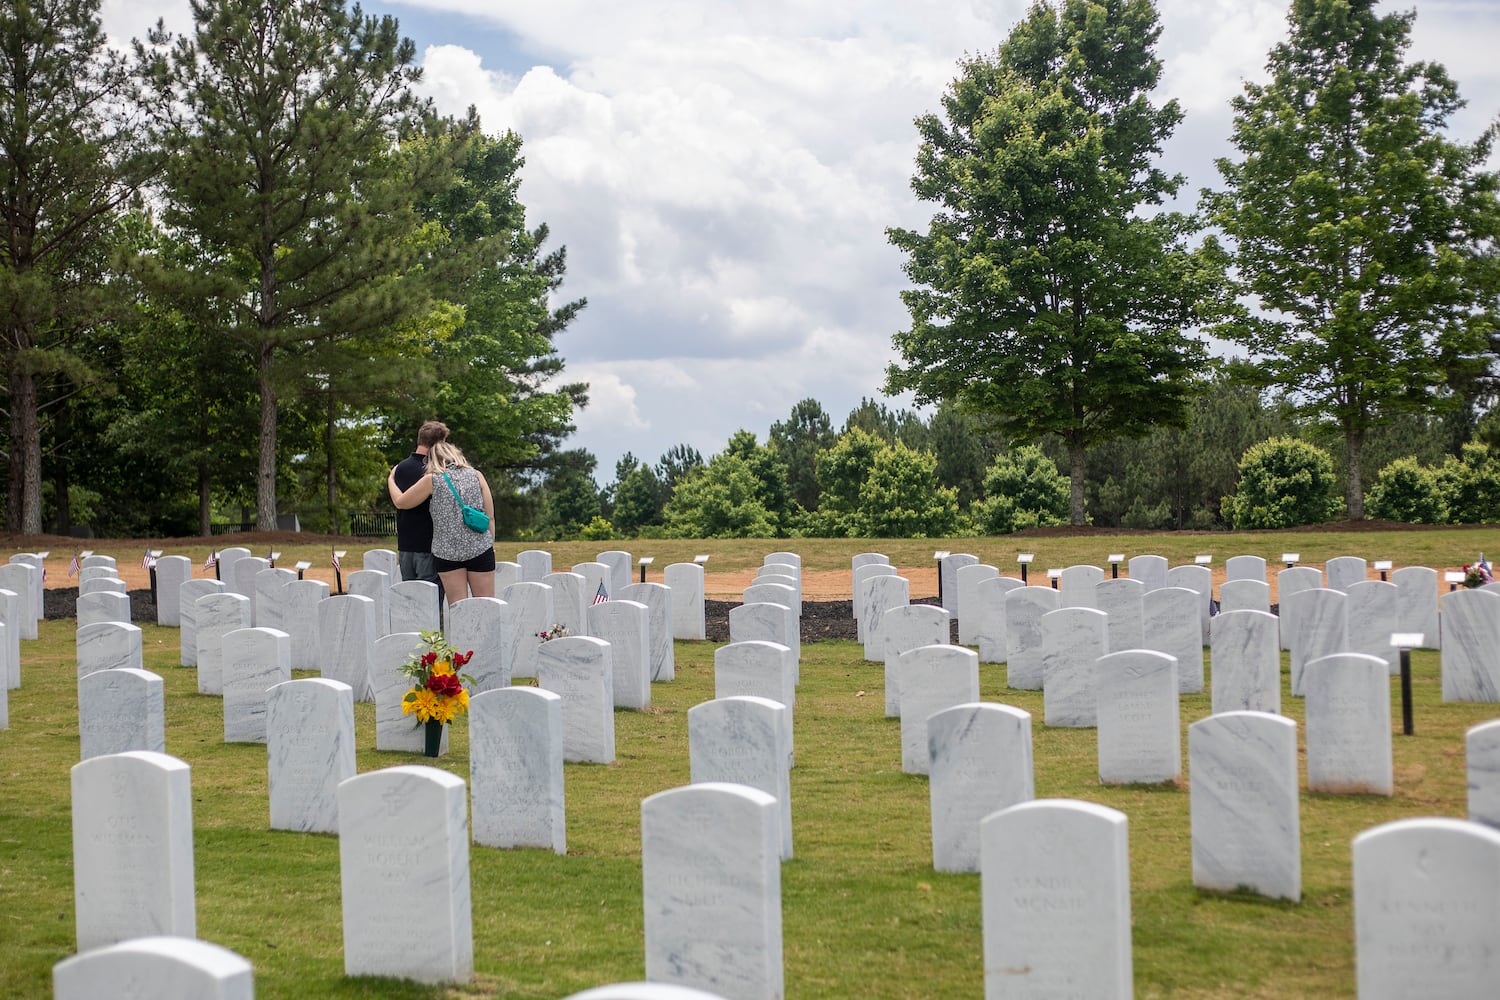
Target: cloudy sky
{"type": "Point", "coordinates": [722, 172]}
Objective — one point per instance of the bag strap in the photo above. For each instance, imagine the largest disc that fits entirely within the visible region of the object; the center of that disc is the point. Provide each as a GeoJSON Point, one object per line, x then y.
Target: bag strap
{"type": "Point", "coordinates": [456, 498]}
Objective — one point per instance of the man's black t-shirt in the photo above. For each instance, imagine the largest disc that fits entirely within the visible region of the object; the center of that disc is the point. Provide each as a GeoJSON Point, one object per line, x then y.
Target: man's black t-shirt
{"type": "Point", "coordinates": [414, 526]}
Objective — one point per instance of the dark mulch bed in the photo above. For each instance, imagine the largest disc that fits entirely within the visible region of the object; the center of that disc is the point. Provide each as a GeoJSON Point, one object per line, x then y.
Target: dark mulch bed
{"type": "Point", "coordinates": [820, 619]}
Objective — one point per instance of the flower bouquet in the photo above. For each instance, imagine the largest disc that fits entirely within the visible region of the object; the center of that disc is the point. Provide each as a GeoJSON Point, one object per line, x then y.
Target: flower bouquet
{"type": "Point", "coordinates": [437, 692]}
{"type": "Point", "coordinates": [555, 632]}
{"type": "Point", "coordinates": [1477, 574]}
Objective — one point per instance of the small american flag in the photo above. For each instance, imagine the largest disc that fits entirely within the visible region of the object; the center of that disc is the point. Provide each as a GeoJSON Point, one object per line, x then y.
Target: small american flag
{"type": "Point", "coordinates": [601, 595]}
{"type": "Point", "coordinates": [148, 560]}
{"type": "Point", "coordinates": [73, 566]}
{"type": "Point", "coordinates": [211, 561]}
{"type": "Point", "coordinates": [335, 560]}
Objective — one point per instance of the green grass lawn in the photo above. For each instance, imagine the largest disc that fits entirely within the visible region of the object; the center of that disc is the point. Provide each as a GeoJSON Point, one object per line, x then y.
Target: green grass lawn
{"type": "Point", "coordinates": [864, 914]}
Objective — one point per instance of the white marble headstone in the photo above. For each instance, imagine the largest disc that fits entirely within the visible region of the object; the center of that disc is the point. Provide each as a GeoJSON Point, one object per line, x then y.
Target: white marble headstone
{"type": "Point", "coordinates": [578, 668]}
{"type": "Point", "coordinates": [711, 879]}
{"type": "Point", "coordinates": [528, 610]}
{"type": "Point", "coordinates": [1200, 580]}
{"type": "Point", "coordinates": [171, 573]}
{"type": "Point", "coordinates": [24, 581]}
{"type": "Point", "coordinates": [107, 646]}
{"type": "Point", "coordinates": [255, 660]}
{"type": "Point", "coordinates": [620, 564]}
{"type": "Point", "coordinates": [516, 769]}
{"type": "Point", "coordinates": [1025, 653]}
{"type": "Point", "coordinates": [931, 678]}
{"type": "Point", "coordinates": [414, 606]}
{"type": "Point", "coordinates": [309, 751]}
{"type": "Point", "coordinates": [1289, 581]}
{"type": "Point", "coordinates": [404, 869]}
{"type": "Point", "coordinates": [1482, 755]}
{"type": "Point", "coordinates": [103, 606]}
{"type": "Point", "coordinates": [1370, 618]}
{"type": "Point", "coordinates": [1075, 585]}
{"type": "Point", "coordinates": [907, 627]}
{"type": "Point", "coordinates": [374, 584]}
{"type": "Point", "coordinates": [479, 624]}
{"type": "Point", "coordinates": [346, 638]}
{"type": "Point", "coordinates": [771, 622]}
{"type": "Point", "coordinates": [273, 597]}
{"type": "Point", "coordinates": [1417, 603]}
{"type": "Point", "coordinates": [1427, 910]}
{"type": "Point", "coordinates": [1140, 736]}
{"type": "Point", "coordinates": [742, 739]}
{"type": "Point", "coordinates": [121, 709]}
{"type": "Point", "coordinates": [1319, 627]}
{"type": "Point", "coordinates": [1245, 595]}
{"type": "Point", "coordinates": [1243, 805]}
{"type": "Point", "coordinates": [948, 567]}
{"type": "Point", "coordinates": [395, 730]}
{"type": "Point", "coordinates": [860, 575]}
{"type": "Point", "coordinates": [626, 626]}
{"type": "Point", "coordinates": [536, 565]}
{"type": "Point", "coordinates": [980, 762]}
{"type": "Point", "coordinates": [1055, 897]}
{"type": "Point", "coordinates": [569, 602]}
{"type": "Point", "coordinates": [1470, 624]}
{"type": "Point", "coordinates": [188, 593]}
{"type": "Point", "coordinates": [1344, 571]}
{"type": "Point", "coordinates": [215, 616]}
{"type": "Point", "coordinates": [132, 848]}
{"type": "Point", "coordinates": [877, 595]}
{"type": "Point", "coordinates": [685, 580]}
{"type": "Point", "coordinates": [1246, 662]}
{"type": "Point", "coordinates": [1150, 570]}
{"type": "Point", "coordinates": [1172, 626]}
{"type": "Point", "coordinates": [966, 601]}
{"type": "Point", "coordinates": [1348, 725]}
{"type": "Point", "coordinates": [165, 967]}
{"type": "Point", "coordinates": [1072, 639]}
{"type": "Point", "coordinates": [657, 597]}
{"type": "Point", "coordinates": [1245, 568]}
{"type": "Point", "coordinates": [990, 630]}
{"type": "Point", "coordinates": [1123, 600]}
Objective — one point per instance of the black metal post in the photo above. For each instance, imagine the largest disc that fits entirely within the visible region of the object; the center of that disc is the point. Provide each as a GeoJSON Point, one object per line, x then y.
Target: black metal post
{"type": "Point", "coordinates": [1114, 571]}
{"type": "Point", "coordinates": [1023, 574]}
{"type": "Point", "coordinates": [1406, 722]}
{"type": "Point", "coordinates": [643, 572]}
{"type": "Point", "coordinates": [152, 571]}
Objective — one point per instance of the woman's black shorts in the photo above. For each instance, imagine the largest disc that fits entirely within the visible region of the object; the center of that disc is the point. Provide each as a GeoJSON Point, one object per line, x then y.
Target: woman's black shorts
{"type": "Point", "coordinates": [482, 563]}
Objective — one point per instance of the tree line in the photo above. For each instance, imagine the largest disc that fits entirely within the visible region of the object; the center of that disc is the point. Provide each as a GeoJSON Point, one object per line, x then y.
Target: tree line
{"type": "Point", "coordinates": [1244, 459]}
{"type": "Point", "coordinates": [241, 264]}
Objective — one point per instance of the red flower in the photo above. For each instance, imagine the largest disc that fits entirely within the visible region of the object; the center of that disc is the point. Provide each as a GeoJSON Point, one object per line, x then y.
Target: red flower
{"type": "Point", "coordinates": [428, 659]}
{"type": "Point", "coordinates": [459, 659]}
{"type": "Point", "coordinates": [447, 685]}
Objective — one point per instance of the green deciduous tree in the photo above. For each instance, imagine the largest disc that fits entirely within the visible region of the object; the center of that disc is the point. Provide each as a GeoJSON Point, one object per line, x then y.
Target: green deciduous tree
{"type": "Point", "coordinates": [68, 163]}
{"type": "Point", "coordinates": [282, 125]}
{"type": "Point", "coordinates": [1051, 296]}
{"type": "Point", "coordinates": [1361, 232]}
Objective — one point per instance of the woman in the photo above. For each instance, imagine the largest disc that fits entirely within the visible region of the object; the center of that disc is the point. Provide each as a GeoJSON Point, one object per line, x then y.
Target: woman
{"type": "Point", "coordinates": [465, 558]}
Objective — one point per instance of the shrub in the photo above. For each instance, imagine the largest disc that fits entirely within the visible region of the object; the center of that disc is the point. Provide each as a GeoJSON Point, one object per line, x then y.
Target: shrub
{"type": "Point", "coordinates": [1407, 491]}
{"type": "Point", "coordinates": [901, 497]}
{"type": "Point", "coordinates": [1022, 489]}
{"type": "Point", "coordinates": [1470, 485]}
{"type": "Point", "coordinates": [1283, 483]}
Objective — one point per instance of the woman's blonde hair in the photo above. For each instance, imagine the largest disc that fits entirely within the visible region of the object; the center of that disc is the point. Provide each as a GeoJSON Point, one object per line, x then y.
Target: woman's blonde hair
{"type": "Point", "coordinates": [445, 454]}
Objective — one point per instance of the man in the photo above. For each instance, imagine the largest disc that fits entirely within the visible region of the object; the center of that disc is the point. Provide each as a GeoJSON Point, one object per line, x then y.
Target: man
{"type": "Point", "coordinates": [414, 526]}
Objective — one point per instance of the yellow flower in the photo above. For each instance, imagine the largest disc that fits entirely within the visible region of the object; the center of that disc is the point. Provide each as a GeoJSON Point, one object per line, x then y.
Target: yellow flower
{"type": "Point", "coordinates": [409, 702]}
{"type": "Point", "coordinates": [426, 705]}
{"type": "Point", "coordinates": [443, 667]}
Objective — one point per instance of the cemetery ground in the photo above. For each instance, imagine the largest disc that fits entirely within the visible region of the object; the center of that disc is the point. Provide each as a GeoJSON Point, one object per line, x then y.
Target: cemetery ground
{"type": "Point", "coordinates": [864, 913]}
